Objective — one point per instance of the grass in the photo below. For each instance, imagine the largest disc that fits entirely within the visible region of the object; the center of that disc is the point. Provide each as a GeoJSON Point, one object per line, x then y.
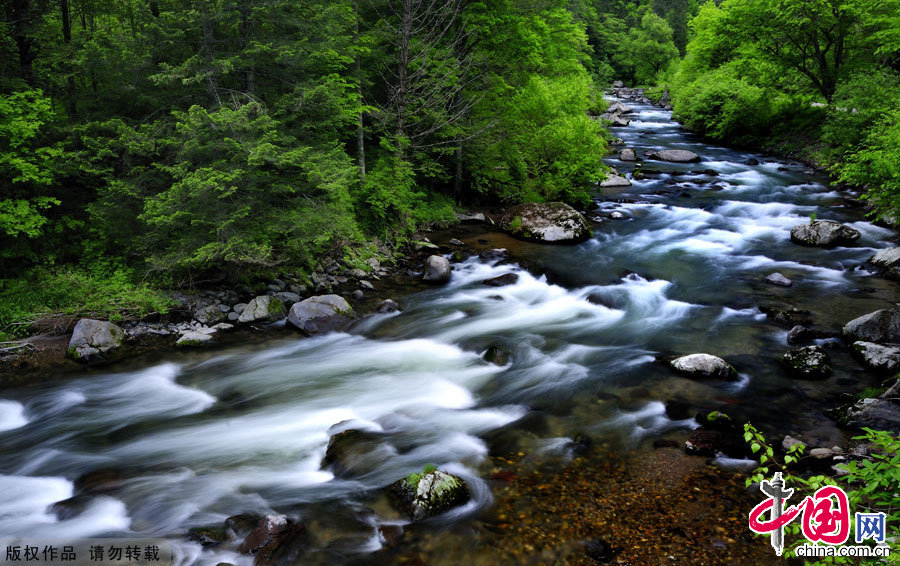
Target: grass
{"type": "Point", "coordinates": [412, 480]}
{"type": "Point", "coordinates": [74, 292]}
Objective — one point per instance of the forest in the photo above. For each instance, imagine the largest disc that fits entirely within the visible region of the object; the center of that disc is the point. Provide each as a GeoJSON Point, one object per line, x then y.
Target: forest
{"type": "Point", "coordinates": [152, 144]}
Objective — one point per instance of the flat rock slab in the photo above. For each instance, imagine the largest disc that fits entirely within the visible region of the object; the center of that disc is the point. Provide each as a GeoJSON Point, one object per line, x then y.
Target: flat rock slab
{"type": "Point", "coordinates": [674, 156]}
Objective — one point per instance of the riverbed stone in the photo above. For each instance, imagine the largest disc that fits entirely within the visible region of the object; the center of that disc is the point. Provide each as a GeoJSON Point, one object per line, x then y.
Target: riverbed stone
{"type": "Point", "coordinates": [876, 357]}
{"type": "Point", "coordinates": [470, 218]}
{"type": "Point", "coordinates": [619, 108]}
{"type": "Point", "coordinates": [193, 338]}
{"type": "Point", "coordinates": [93, 339]}
{"type": "Point", "coordinates": [287, 298]}
{"type": "Point", "coordinates": [704, 366]}
{"type": "Point", "coordinates": [437, 269]}
{"type": "Point", "coordinates": [627, 154]}
{"type": "Point", "coordinates": [808, 362]}
{"type": "Point", "coordinates": [502, 280]}
{"type": "Point", "coordinates": [275, 540]}
{"type": "Point", "coordinates": [880, 326]}
{"type": "Point", "coordinates": [613, 179]}
{"type": "Point", "coordinates": [354, 452]}
{"type": "Point", "coordinates": [779, 279]}
{"type": "Point", "coordinates": [876, 413]}
{"type": "Point", "coordinates": [674, 156]}
{"type": "Point", "coordinates": [546, 222]}
{"type": "Point", "coordinates": [320, 314]}
{"type": "Point", "coordinates": [824, 234]}
{"type": "Point", "coordinates": [264, 308]}
{"type": "Point", "coordinates": [887, 258]}
{"type": "Point", "coordinates": [387, 306]}
{"type": "Point", "coordinates": [211, 314]}
{"type": "Point", "coordinates": [430, 493]}
{"type": "Point", "coordinates": [496, 355]}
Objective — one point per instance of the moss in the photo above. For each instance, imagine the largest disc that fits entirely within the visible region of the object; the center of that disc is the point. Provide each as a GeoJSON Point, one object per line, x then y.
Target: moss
{"type": "Point", "coordinates": [516, 224]}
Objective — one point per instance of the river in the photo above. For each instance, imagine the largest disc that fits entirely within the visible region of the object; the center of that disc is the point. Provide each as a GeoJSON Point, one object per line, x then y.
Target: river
{"type": "Point", "coordinates": [201, 436]}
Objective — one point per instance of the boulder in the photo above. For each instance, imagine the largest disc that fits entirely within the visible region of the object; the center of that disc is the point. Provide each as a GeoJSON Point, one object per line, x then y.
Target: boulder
{"type": "Point", "coordinates": [717, 434]}
{"type": "Point", "coordinates": [876, 357]}
{"type": "Point", "coordinates": [264, 308]}
{"type": "Point", "coordinates": [704, 366]}
{"type": "Point", "coordinates": [618, 84]}
{"type": "Point", "coordinates": [546, 222]}
{"type": "Point", "coordinates": [879, 414]}
{"type": "Point", "coordinates": [674, 156]}
{"type": "Point", "coordinates": [93, 339]}
{"type": "Point", "coordinates": [615, 120]}
{"type": "Point", "coordinates": [619, 108]}
{"type": "Point", "coordinates": [779, 279]}
{"type": "Point", "coordinates": [808, 362]}
{"type": "Point", "coordinates": [387, 306]}
{"type": "Point", "coordinates": [470, 218]}
{"type": "Point", "coordinates": [628, 154]}
{"type": "Point", "coordinates": [800, 333]}
{"type": "Point", "coordinates": [354, 452]}
{"type": "Point", "coordinates": [430, 493]}
{"type": "Point", "coordinates": [193, 338]}
{"type": "Point", "coordinates": [275, 540]}
{"type": "Point", "coordinates": [320, 314]}
{"type": "Point", "coordinates": [496, 355]}
{"type": "Point", "coordinates": [613, 179]}
{"type": "Point", "coordinates": [502, 280]}
{"type": "Point", "coordinates": [210, 535]}
{"type": "Point", "coordinates": [887, 258]}
{"type": "Point", "coordinates": [287, 298]}
{"type": "Point", "coordinates": [437, 269]}
{"type": "Point", "coordinates": [879, 326]}
{"type": "Point", "coordinates": [209, 315]}
{"type": "Point", "coordinates": [823, 233]}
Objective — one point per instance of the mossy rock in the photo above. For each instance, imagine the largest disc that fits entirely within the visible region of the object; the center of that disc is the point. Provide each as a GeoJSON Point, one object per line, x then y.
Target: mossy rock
{"type": "Point", "coordinates": [429, 493]}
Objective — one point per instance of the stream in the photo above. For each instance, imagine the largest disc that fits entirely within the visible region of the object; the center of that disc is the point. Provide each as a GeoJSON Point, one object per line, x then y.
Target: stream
{"type": "Point", "coordinates": [201, 436]}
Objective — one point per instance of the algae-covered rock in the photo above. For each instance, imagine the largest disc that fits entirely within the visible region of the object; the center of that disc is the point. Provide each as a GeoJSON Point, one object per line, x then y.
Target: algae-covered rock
{"type": "Point", "coordinates": [430, 493]}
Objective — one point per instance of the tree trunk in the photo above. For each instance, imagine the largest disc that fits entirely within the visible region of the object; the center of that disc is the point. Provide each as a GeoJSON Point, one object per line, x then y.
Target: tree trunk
{"type": "Point", "coordinates": [24, 43]}
{"type": "Point", "coordinates": [209, 52]}
{"type": "Point", "coordinates": [360, 126]}
{"type": "Point", "coordinates": [405, 32]}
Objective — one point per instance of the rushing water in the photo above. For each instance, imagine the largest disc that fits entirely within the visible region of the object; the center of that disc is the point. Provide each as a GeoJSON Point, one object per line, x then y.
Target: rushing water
{"type": "Point", "coordinates": [207, 435]}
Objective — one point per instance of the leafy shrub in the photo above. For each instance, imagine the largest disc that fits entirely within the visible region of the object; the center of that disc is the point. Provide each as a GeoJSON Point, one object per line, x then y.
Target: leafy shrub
{"type": "Point", "coordinates": [859, 103]}
{"type": "Point", "coordinates": [876, 165]}
{"type": "Point", "coordinates": [724, 107]}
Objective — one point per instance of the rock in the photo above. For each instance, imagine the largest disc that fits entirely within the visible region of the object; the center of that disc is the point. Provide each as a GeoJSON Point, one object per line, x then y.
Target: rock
{"type": "Point", "coordinates": [752, 161]}
{"type": "Point", "coordinates": [677, 410]}
{"type": "Point", "coordinates": [387, 306]}
{"type": "Point", "coordinates": [437, 269]}
{"type": "Point", "coordinates": [495, 253]}
{"type": "Point", "coordinates": [616, 215]}
{"type": "Point", "coordinates": [223, 327]}
{"type": "Point", "coordinates": [455, 242]}
{"type": "Point", "coordinates": [265, 308]}
{"type": "Point", "coordinates": [879, 326]}
{"type": "Point", "coordinates": [619, 108]}
{"type": "Point", "coordinates": [615, 120]}
{"type": "Point", "coordinates": [209, 315]}
{"type": "Point", "coordinates": [889, 257]}
{"type": "Point", "coordinates": [472, 218]}
{"type": "Point", "coordinates": [547, 222]}
{"type": "Point", "coordinates": [704, 366]}
{"type": "Point", "coordinates": [100, 481]}
{"type": "Point", "coordinates": [879, 414]}
{"type": "Point", "coordinates": [618, 84]}
{"type": "Point", "coordinates": [820, 453]}
{"type": "Point", "coordinates": [823, 233]}
{"type": "Point", "coordinates": [800, 333]}
{"type": "Point", "coordinates": [367, 285]}
{"type": "Point", "coordinates": [600, 551]}
{"type": "Point", "coordinates": [275, 540]}
{"type": "Point", "coordinates": [787, 316]}
{"type": "Point", "coordinates": [233, 316]}
{"type": "Point", "coordinates": [876, 357]}
{"type": "Point", "coordinates": [358, 295]}
{"type": "Point", "coordinates": [808, 362]}
{"type": "Point", "coordinates": [708, 442]}
{"type": "Point", "coordinates": [354, 452]}
{"type": "Point", "coordinates": [502, 280]}
{"type": "Point", "coordinates": [674, 156]}
{"type": "Point", "coordinates": [211, 535]}
{"type": "Point", "coordinates": [496, 355]}
{"type": "Point", "coordinates": [789, 442]}
{"type": "Point", "coordinates": [779, 279]}
{"type": "Point", "coordinates": [287, 298]}
{"type": "Point", "coordinates": [613, 179]}
{"type": "Point", "coordinates": [193, 338]}
{"type": "Point", "coordinates": [627, 154]}
{"type": "Point", "coordinates": [93, 339]}
{"type": "Point", "coordinates": [239, 308]}
{"type": "Point", "coordinates": [319, 314]}
{"type": "Point", "coordinates": [430, 493]}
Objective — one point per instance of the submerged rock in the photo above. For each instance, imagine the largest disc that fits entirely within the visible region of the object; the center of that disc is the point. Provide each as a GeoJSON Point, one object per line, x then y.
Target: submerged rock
{"type": "Point", "coordinates": [387, 306]}
{"type": "Point", "coordinates": [430, 493]}
{"type": "Point", "coordinates": [779, 279]}
{"type": "Point", "coordinates": [437, 269]}
{"type": "Point", "coordinates": [546, 222]}
{"type": "Point", "coordinates": [704, 366]}
{"type": "Point", "coordinates": [192, 338]}
{"type": "Point", "coordinates": [502, 280]}
{"type": "Point", "coordinates": [264, 308]}
{"type": "Point", "coordinates": [877, 357]}
{"type": "Point", "coordinates": [93, 339]}
{"type": "Point", "coordinates": [823, 233]}
{"type": "Point", "coordinates": [674, 156]}
{"type": "Point", "coordinates": [320, 314]}
{"type": "Point", "coordinates": [496, 355]}
{"type": "Point", "coordinates": [879, 326]}
{"type": "Point", "coordinates": [808, 362]}
{"type": "Point", "coordinates": [354, 452]}
{"type": "Point", "coordinates": [275, 540]}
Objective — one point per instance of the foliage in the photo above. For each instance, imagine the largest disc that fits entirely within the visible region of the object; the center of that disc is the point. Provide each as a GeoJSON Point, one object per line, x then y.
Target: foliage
{"type": "Point", "coordinates": [858, 103]}
{"type": "Point", "coordinates": [876, 165]}
{"type": "Point", "coordinates": [101, 291]}
{"type": "Point", "coordinates": [647, 50]}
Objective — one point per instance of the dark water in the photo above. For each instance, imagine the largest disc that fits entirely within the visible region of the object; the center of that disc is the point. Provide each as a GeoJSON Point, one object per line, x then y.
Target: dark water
{"type": "Point", "coordinates": [207, 435]}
